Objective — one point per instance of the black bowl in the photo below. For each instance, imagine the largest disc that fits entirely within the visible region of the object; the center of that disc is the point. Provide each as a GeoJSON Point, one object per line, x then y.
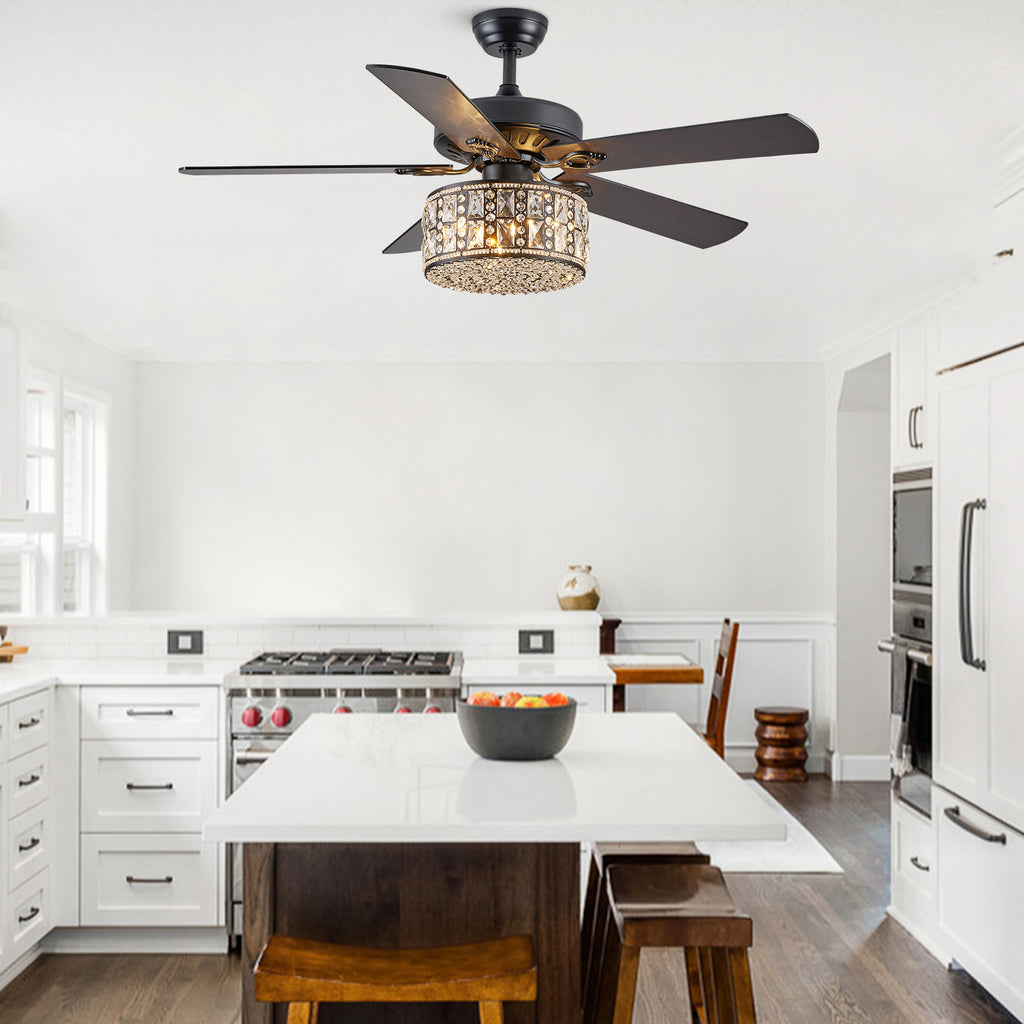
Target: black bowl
{"type": "Point", "coordinates": [516, 734]}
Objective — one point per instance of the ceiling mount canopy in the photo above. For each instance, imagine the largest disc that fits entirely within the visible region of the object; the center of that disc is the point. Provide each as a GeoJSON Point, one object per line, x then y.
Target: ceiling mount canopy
{"type": "Point", "coordinates": [518, 230]}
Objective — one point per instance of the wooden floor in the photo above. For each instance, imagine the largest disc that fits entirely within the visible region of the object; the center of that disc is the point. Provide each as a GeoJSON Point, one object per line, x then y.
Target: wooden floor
{"type": "Point", "coordinates": [824, 951]}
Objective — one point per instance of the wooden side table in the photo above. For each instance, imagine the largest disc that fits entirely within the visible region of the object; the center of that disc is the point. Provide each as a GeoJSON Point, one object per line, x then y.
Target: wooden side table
{"type": "Point", "coordinates": [781, 734]}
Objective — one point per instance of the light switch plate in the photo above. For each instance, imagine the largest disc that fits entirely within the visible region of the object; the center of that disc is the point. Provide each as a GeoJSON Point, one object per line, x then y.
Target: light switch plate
{"type": "Point", "coordinates": [536, 641]}
{"type": "Point", "coordinates": [184, 641]}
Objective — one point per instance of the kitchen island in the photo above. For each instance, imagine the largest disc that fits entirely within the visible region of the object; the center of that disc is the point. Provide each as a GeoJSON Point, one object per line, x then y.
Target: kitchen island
{"type": "Point", "coordinates": [390, 831]}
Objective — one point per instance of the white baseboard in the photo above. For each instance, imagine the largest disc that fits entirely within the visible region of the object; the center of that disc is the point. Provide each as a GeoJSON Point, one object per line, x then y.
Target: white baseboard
{"type": "Point", "coordinates": [26, 959]}
{"type": "Point", "coordinates": [860, 767]}
{"type": "Point", "coordinates": [136, 940]}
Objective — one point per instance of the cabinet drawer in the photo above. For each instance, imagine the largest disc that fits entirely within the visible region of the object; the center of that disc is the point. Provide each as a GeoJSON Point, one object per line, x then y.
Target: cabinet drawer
{"type": "Point", "coordinates": [981, 897]}
{"type": "Point", "coordinates": [29, 722]}
{"type": "Point", "coordinates": [148, 880]}
{"type": "Point", "coordinates": [3, 734]}
{"type": "Point", "coordinates": [914, 868]}
{"type": "Point", "coordinates": [28, 915]}
{"type": "Point", "coordinates": [147, 786]}
{"type": "Point", "coordinates": [28, 845]}
{"type": "Point", "coordinates": [149, 712]}
{"type": "Point", "coordinates": [28, 781]}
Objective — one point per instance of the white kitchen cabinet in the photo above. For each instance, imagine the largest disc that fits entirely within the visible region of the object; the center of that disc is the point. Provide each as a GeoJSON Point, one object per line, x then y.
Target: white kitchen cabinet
{"type": "Point", "coordinates": [981, 896]}
{"type": "Point", "coordinates": [28, 915]}
{"type": "Point", "coordinates": [29, 722]}
{"type": "Point", "coordinates": [979, 643]}
{"type": "Point", "coordinates": [149, 712]}
{"type": "Point", "coordinates": [28, 845]}
{"type": "Point", "coordinates": [911, 393]}
{"type": "Point", "coordinates": [12, 427]}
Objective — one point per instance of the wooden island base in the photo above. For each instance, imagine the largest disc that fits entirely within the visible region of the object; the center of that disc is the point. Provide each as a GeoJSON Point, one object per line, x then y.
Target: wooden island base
{"type": "Point", "coordinates": [418, 894]}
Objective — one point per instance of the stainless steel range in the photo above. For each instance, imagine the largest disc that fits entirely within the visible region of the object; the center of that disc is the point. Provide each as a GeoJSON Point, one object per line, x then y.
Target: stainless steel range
{"type": "Point", "coordinates": [264, 712]}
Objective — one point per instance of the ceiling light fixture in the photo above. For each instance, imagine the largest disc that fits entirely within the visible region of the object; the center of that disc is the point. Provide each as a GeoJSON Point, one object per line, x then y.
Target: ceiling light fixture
{"type": "Point", "coordinates": [505, 237]}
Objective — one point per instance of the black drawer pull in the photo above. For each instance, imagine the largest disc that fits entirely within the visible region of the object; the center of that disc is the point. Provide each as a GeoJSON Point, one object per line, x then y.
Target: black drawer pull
{"type": "Point", "coordinates": [133, 713]}
{"type": "Point", "coordinates": [134, 785]}
{"type": "Point", "coordinates": [28, 917]}
{"type": "Point", "coordinates": [29, 781]}
{"type": "Point", "coordinates": [917, 864]}
{"type": "Point", "coordinates": [30, 723]}
{"type": "Point", "coordinates": [953, 813]}
{"type": "Point", "coordinates": [31, 845]}
{"type": "Point", "coordinates": [132, 880]}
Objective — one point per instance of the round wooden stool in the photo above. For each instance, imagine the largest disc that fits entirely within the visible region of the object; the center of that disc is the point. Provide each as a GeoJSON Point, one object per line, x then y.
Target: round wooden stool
{"type": "Point", "coordinates": [781, 733]}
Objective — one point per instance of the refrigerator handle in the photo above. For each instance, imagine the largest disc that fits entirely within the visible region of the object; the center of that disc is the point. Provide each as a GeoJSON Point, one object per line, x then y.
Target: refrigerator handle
{"type": "Point", "coordinates": [966, 629]}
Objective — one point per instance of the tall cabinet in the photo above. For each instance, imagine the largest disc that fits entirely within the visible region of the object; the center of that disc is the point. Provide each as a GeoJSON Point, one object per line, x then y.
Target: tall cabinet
{"type": "Point", "coordinates": [978, 801]}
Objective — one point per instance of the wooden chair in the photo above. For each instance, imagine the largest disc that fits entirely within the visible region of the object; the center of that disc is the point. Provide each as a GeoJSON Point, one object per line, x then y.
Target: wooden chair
{"type": "Point", "coordinates": [714, 730]}
{"type": "Point", "coordinates": [683, 906]}
{"type": "Point", "coordinates": [304, 974]}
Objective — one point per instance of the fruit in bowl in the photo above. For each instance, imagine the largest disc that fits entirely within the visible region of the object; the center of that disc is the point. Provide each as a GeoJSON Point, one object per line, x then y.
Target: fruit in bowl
{"type": "Point", "coordinates": [530, 730]}
{"type": "Point", "coordinates": [484, 698]}
{"type": "Point", "coordinates": [509, 699]}
{"type": "Point", "coordinates": [555, 700]}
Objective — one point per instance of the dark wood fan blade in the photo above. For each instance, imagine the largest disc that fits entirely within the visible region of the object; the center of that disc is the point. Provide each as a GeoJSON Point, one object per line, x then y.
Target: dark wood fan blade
{"type": "Point", "coordinates": [409, 240]}
{"type": "Point", "coordinates": [444, 105]}
{"type": "Point", "coordinates": [321, 169]}
{"type": "Point", "coordinates": [663, 216]}
{"type": "Point", "coordinates": [773, 135]}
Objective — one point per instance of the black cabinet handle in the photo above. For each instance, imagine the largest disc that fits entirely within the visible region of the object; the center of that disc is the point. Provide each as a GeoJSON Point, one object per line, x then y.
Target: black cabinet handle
{"type": "Point", "coordinates": [910, 427]}
{"type": "Point", "coordinates": [28, 917]}
{"type": "Point", "coordinates": [29, 724]}
{"type": "Point", "coordinates": [29, 781]}
{"type": "Point", "coordinates": [966, 628]}
{"type": "Point", "coordinates": [30, 845]}
{"type": "Point", "coordinates": [954, 815]}
{"type": "Point", "coordinates": [917, 864]}
{"type": "Point", "coordinates": [132, 880]}
{"type": "Point", "coordinates": [132, 713]}
{"type": "Point", "coordinates": [133, 786]}
{"type": "Point", "coordinates": [915, 441]}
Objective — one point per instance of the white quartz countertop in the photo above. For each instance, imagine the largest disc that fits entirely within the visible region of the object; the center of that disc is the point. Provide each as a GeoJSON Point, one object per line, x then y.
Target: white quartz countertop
{"type": "Point", "coordinates": [537, 671]}
{"type": "Point", "coordinates": [412, 778]}
{"type": "Point", "coordinates": [26, 673]}
{"type": "Point", "coordinates": [639, 660]}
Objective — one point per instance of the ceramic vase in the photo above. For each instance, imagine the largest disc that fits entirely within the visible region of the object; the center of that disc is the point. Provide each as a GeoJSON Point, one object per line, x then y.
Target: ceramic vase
{"type": "Point", "coordinates": [578, 589]}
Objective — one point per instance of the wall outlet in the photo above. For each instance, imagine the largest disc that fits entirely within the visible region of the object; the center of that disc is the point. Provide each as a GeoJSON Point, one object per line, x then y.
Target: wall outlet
{"type": "Point", "coordinates": [536, 641]}
{"type": "Point", "coordinates": [184, 641]}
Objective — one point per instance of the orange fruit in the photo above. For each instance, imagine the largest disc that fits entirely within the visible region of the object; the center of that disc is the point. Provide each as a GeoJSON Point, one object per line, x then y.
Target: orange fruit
{"type": "Point", "coordinates": [555, 700]}
{"type": "Point", "coordinates": [510, 698]}
{"type": "Point", "coordinates": [485, 698]}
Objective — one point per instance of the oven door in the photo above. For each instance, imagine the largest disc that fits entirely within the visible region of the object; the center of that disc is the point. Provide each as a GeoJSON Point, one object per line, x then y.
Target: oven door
{"type": "Point", "coordinates": [246, 757]}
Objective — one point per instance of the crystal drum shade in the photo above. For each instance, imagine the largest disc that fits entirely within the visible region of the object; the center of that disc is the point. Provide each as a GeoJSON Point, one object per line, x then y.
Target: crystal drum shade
{"type": "Point", "coordinates": [505, 238]}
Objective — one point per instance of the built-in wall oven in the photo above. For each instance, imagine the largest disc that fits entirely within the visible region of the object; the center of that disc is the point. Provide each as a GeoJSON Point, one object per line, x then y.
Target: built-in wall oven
{"type": "Point", "coordinates": [910, 646]}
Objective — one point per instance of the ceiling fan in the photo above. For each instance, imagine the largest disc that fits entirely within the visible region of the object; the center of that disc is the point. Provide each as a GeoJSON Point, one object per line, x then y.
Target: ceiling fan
{"type": "Point", "coordinates": [517, 230]}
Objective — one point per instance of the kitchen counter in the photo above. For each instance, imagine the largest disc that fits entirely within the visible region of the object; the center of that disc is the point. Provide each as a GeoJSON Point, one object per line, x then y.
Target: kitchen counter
{"type": "Point", "coordinates": [536, 671]}
{"type": "Point", "coordinates": [26, 673]}
{"type": "Point", "coordinates": [413, 779]}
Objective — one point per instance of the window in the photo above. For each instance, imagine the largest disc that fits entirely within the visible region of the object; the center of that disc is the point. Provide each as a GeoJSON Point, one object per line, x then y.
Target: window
{"type": "Point", "coordinates": [57, 563]}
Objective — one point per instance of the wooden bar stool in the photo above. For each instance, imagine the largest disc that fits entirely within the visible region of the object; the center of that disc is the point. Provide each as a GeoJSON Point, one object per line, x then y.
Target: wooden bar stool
{"type": "Point", "coordinates": [595, 905]}
{"type": "Point", "coordinates": [304, 974]}
{"type": "Point", "coordinates": [683, 906]}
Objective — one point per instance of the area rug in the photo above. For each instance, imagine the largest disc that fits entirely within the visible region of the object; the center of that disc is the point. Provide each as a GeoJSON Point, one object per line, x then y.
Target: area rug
{"type": "Point", "coordinates": [798, 853]}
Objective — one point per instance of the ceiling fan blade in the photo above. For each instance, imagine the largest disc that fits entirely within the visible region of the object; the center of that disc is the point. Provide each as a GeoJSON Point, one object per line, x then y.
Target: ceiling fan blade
{"type": "Point", "coordinates": [410, 240]}
{"type": "Point", "coordinates": [772, 135]}
{"type": "Point", "coordinates": [321, 169]}
{"type": "Point", "coordinates": [444, 105]}
{"type": "Point", "coordinates": [663, 216]}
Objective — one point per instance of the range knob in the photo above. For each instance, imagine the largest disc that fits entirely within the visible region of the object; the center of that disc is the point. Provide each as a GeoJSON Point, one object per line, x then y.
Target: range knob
{"type": "Point", "coordinates": [251, 717]}
{"type": "Point", "coordinates": [343, 709]}
{"type": "Point", "coordinates": [431, 709]}
{"type": "Point", "coordinates": [280, 716]}
{"type": "Point", "coordinates": [403, 710]}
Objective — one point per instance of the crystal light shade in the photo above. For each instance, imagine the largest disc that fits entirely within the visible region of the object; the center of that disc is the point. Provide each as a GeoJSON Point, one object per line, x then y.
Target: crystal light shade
{"type": "Point", "coordinates": [505, 238]}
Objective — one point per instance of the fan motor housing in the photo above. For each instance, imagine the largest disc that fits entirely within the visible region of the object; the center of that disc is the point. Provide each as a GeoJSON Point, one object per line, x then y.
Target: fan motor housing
{"type": "Point", "coordinates": [527, 122]}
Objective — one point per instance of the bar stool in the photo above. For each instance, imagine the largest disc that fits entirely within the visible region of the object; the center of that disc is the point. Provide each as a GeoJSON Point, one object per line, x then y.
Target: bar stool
{"type": "Point", "coordinates": [595, 906]}
{"type": "Point", "coordinates": [683, 906]}
{"type": "Point", "coordinates": [304, 974]}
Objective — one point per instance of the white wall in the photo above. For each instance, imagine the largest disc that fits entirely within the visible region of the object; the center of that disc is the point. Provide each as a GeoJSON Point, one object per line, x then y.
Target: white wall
{"type": "Point", "coordinates": [864, 540]}
{"type": "Point", "coordinates": [372, 488]}
{"type": "Point", "coordinates": [45, 346]}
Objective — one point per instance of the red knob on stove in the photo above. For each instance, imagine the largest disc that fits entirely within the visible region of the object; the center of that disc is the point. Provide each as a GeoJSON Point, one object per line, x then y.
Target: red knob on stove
{"type": "Point", "coordinates": [431, 709]}
{"type": "Point", "coordinates": [280, 716]}
{"type": "Point", "coordinates": [251, 717]}
{"type": "Point", "coordinates": [402, 710]}
{"type": "Point", "coordinates": [343, 709]}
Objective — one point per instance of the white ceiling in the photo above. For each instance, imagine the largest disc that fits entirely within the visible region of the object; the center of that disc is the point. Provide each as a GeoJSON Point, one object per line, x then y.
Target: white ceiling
{"type": "Point", "coordinates": [102, 100]}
